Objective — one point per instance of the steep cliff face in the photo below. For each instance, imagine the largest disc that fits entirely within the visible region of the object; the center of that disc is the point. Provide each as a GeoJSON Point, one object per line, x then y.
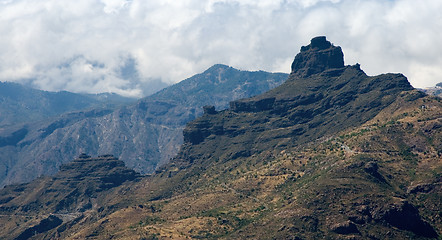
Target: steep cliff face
{"type": "Point", "coordinates": [317, 57]}
{"type": "Point", "coordinates": [145, 134]}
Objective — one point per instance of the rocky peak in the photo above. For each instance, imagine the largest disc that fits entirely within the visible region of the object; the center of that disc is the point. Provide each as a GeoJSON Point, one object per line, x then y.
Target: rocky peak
{"type": "Point", "coordinates": [320, 97]}
{"type": "Point", "coordinates": [217, 67]}
{"type": "Point", "coordinates": [317, 57]}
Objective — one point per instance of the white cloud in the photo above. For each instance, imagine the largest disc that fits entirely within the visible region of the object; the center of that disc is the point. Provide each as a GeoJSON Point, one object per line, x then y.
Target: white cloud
{"type": "Point", "coordinates": [83, 45]}
{"type": "Point", "coordinates": [114, 6]}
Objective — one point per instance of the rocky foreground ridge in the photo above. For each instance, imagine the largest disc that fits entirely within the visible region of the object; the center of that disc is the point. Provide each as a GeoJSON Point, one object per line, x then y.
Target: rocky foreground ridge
{"type": "Point", "coordinates": [69, 195]}
{"type": "Point", "coordinates": [330, 154]}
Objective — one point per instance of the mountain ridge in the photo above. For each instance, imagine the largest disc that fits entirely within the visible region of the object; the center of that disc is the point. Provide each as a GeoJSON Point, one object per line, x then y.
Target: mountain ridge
{"type": "Point", "coordinates": [365, 163]}
{"type": "Point", "coordinates": [302, 103]}
{"type": "Point", "coordinates": [21, 104]}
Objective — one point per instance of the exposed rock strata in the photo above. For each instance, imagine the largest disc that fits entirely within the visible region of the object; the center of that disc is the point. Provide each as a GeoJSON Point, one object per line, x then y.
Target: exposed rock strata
{"type": "Point", "coordinates": [73, 188]}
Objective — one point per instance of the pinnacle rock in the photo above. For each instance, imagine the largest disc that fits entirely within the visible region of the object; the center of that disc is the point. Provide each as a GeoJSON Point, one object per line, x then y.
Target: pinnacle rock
{"type": "Point", "coordinates": [317, 57]}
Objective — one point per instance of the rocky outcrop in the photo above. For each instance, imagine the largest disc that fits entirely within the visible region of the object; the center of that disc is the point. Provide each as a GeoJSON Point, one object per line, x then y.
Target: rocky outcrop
{"type": "Point", "coordinates": [317, 57]}
{"type": "Point", "coordinates": [209, 109]}
{"type": "Point", "coordinates": [106, 170]}
{"type": "Point", "coordinates": [71, 189]}
{"type": "Point", "coordinates": [319, 95]}
{"type": "Point", "coordinates": [371, 168]}
{"type": "Point", "coordinates": [196, 132]}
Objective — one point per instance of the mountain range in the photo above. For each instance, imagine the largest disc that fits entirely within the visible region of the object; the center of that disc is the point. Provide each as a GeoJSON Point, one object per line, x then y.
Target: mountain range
{"type": "Point", "coordinates": [20, 104]}
{"type": "Point", "coordinates": [330, 154]}
{"type": "Point", "coordinates": [145, 134]}
{"type": "Point", "coordinates": [436, 90]}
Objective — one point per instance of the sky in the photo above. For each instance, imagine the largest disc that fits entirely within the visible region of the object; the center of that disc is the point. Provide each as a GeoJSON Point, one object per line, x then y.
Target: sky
{"type": "Point", "coordinates": [134, 47]}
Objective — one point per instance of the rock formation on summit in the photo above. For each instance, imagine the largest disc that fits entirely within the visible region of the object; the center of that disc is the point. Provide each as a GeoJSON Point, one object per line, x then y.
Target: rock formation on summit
{"type": "Point", "coordinates": [320, 97]}
{"type": "Point", "coordinates": [317, 57]}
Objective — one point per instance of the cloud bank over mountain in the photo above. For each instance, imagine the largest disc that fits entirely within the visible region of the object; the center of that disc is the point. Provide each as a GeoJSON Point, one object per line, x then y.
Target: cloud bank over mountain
{"type": "Point", "coordinates": [134, 47]}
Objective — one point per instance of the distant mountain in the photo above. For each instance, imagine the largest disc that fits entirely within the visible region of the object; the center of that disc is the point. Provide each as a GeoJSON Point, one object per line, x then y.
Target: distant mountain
{"type": "Point", "coordinates": [219, 85]}
{"type": "Point", "coordinates": [330, 154]}
{"type": "Point", "coordinates": [436, 91]}
{"type": "Point", "coordinates": [19, 104]}
{"type": "Point", "coordinates": [144, 134]}
{"type": "Point", "coordinates": [110, 98]}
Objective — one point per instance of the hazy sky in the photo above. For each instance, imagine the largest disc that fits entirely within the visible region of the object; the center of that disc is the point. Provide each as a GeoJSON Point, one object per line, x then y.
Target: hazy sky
{"type": "Point", "coordinates": [128, 46]}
